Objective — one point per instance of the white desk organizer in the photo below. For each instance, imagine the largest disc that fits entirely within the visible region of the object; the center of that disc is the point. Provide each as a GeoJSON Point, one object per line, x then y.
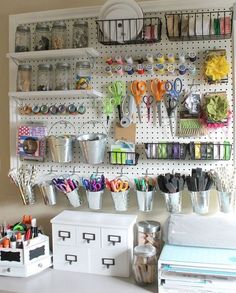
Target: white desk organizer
{"type": "Point", "coordinates": [96, 243]}
{"type": "Point", "coordinates": [32, 259]}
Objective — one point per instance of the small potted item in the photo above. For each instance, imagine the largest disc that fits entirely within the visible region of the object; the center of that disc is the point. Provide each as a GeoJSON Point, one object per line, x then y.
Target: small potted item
{"type": "Point", "coordinates": [145, 188]}
{"type": "Point", "coordinates": [172, 186]}
{"type": "Point", "coordinates": [199, 185]}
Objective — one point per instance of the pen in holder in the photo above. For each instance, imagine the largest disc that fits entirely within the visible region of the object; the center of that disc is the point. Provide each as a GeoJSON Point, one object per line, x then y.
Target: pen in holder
{"type": "Point", "coordinates": [145, 189]}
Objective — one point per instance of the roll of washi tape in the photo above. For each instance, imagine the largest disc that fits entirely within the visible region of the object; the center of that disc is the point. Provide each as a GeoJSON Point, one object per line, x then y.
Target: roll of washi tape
{"type": "Point", "coordinates": [119, 70]}
{"type": "Point", "coordinates": [182, 69]}
{"type": "Point", "coordinates": [109, 61]}
{"type": "Point", "coordinates": [62, 109]}
{"type": "Point", "coordinates": [140, 69]}
{"type": "Point", "coordinates": [44, 109]}
{"type": "Point", "coordinates": [160, 68]}
{"type": "Point", "coordinates": [36, 109]}
{"type": "Point", "coordinates": [192, 56]}
{"type": "Point", "coordinates": [149, 68]}
{"type": "Point", "coordinates": [182, 57]}
{"type": "Point", "coordinates": [176, 151]}
{"type": "Point", "coordinates": [129, 69]}
{"type": "Point", "coordinates": [150, 58]}
{"type": "Point", "coordinates": [108, 70]}
{"type": "Point", "coordinates": [160, 58]}
{"type": "Point", "coordinates": [129, 59]}
{"type": "Point", "coordinates": [216, 152]}
{"type": "Point", "coordinates": [171, 57]}
{"type": "Point", "coordinates": [192, 69]}
{"type": "Point", "coordinates": [170, 69]}
{"type": "Point", "coordinates": [118, 59]}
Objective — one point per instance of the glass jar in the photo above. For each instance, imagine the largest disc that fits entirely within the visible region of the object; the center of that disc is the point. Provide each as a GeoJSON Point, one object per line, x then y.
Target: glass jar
{"type": "Point", "coordinates": [145, 264]}
{"type": "Point", "coordinates": [83, 75]}
{"type": "Point", "coordinates": [22, 39]}
{"type": "Point", "coordinates": [80, 34]}
{"type": "Point", "coordinates": [45, 78]}
{"type": "Point", "coordinates": [62, 76]}
{"type": "Point", "coordinates": [24, 75]}
{"type": "Point", "coordinates": [149, 232]}
{"type": "Point", "coordinates": [42, 37]}
{"type": "Point", "coordinates": [59, 35]}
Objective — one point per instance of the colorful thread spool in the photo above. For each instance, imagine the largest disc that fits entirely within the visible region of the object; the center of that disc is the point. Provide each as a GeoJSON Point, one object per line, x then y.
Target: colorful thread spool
{"type": "Point", "coordinates": [182, 57]}
{"type": "Point", "coordinates": [129, 59]}
{"type": "Point", "coordinates": [171, 57]}
{"type": "Point", "coordinates": [171, 69]}
{"type": "Point", "coordinates": [108, 70]}
{"type": "Point", "coordinates": [109, 61]}
{"type": "Point", "coordinates": [192, 56]}
{"type": "Point", "coordinates": [129, 69]}
{"type": "Point", "coordinates": [140, 69]}
{"type": "Point", "coordinates": [119, 70]}
{"type": "Point", "coordinates": [149, 68]}
{"type": "Point", "coordinates": [119, 60]}
{"type": "Point", "coordinates": [160, 58]}
{"type": "Point", "coordinates": [182, 69]}
{"type": "Point", "coordinates": [160, 68]}
{"type": "Point", "coordinates": [192, 69]}
{"type": "Point", "coordinates": [150, 58]}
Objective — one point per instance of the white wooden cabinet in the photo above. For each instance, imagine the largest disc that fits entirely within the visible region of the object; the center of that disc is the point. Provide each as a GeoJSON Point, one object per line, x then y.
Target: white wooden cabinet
{"type": "Point", "coordinates": [95, 243]}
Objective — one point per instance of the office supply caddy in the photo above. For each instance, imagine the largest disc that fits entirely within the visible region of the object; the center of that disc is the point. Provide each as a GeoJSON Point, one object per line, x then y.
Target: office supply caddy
{"type": "Point", "coordinates": [23, 250]}
{"type": "Point", "coordinates": [93, 243]}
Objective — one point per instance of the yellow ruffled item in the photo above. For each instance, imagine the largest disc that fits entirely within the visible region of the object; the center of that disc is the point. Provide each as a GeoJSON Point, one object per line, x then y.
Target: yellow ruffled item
{"type": "Point", "coordinates": [216, 68]}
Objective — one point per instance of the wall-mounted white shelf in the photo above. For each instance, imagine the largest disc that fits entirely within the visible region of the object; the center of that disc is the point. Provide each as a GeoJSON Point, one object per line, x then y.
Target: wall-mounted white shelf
{"type": "Point", "coordinates": [52, 54]}
{"type": "Point", "coordinates": [55, 94]}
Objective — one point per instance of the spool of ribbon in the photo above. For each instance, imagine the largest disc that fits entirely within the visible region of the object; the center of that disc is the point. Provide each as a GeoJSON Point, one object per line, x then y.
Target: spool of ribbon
{"type": "Point", "coordinates": [129, 59]}
{"type": "Point", "coordinates": [108, 70]}
{"type": "Point", "coordinates": [109, 61]}
{"type": "Point", "coordinates": [160, 58]}
{"type": "Point", "coordinates": [149, 68]}
{"type": "Point", "coordinates": [129, 69]}
{"type": "Point", "coordinates": [150, 58]}
{"type": "Point", "coordinates": [171, 69]}
{"type": "Point", "coordinates": [182, 57]}
{"type": "Point", "coordinates": [160, 68]}
{"type": "Point", "coordinates": [182, 69]}
{"type": "Point", "coordinates": [119, 70]}
{"type": "Point", "coordinates": [171, 57]}
{"type": "Point", "coordinates": [192, 56]}
{"type": "Point", "coordinates": [119, 60]}
{"type": "Point", "coordinates": [140, 69]}
{"type": "Point", "coordinates": [192, 69]}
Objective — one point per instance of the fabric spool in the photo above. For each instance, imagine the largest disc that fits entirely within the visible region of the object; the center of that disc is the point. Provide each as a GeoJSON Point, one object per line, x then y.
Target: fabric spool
{"type": "Point", "coordinates": [129, 59]}
{"type": "Point", "coordinates": [150, 58]}
{"type": "Point", "coordinates": [119, 70]}
{"type": "Point", "coordinates": [160, 68]}
{"type": "Point", "coordinates": [118, 59]}
{"type": "Point", "coordinates": [140, 69]}
{"type": "Point", "coordinates": [170, 69]}
{"type": "Point", "coordinates": [182, 69]}
{"type": "Point", "coordinates": [192, 69]}
{"type": "Point", "coordinates": [109, 61]}
{"type": "Point", "coordinates": [129, 69]}
{"type": "Point", "coordinates": [149, 68]}
{"type": "Point", "coordinates": [182, 57]}
{"type": "Point", "coordinates": [192, 56]}
{"type": "Point", "coordinates": [171, 57]}
{"type": "Point", "coordinates": [108, 70]}
{"type": "Point", "coordinates": [160, 58]}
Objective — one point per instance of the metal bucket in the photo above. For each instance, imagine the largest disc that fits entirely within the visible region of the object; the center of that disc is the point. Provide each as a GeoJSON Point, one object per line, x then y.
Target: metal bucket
{"type": "Point", "coordinates": [200, 201]}
{"type": "Point", "coordinates": [120, 200]}
{"type": "Point", "coordinates": [94, 199]}
{"type": "Point", "coordinates": [145, 200]}
{"type": "Point", "coordinates": [226, 201]}
{"type": "Point", "coordinates": [93, 145]}
{"type": "Point", "coordinates": [29, 195]}
{"type": "Point", "coordinates": [48, 192]}
{"type": "Point", "coordinates": [74, 198]}
{"type": "Point", "coordinates": [61, 146]}
{"type": "Point", "coordinates": [173, 202]}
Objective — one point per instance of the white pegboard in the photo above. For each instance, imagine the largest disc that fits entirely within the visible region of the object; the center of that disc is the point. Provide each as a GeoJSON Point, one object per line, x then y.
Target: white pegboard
{"type": "Point", "coordinates": [146, 132]}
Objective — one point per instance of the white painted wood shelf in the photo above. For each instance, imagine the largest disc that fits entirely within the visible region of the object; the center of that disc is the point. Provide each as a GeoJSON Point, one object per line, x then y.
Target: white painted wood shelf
{"type": "Point", "coordinates": [55, 94]}
{"type": "Point", "coordinates": [52, 54]}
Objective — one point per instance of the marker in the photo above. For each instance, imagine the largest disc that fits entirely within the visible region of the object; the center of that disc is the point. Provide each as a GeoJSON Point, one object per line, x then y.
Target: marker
{"type": "Point", "coordinates": [19, 241]}
{"type": "Point", "coordinates": [34, 228]}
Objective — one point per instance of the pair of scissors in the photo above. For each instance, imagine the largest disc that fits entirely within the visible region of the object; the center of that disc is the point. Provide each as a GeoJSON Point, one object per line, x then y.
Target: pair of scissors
{"type": "Point", "coordinates": [118, 90]}
{"type": "Point", "coordinates": [138, 89]}
{"type": "Point", "coordinates": [158, 89]}
{"type": "Point", "coordinates": [171, 102]}
{"type": "Point", "coordinates": [109, 105]}
{"type": "Point", "coordinates": [119, 185]}
{"type": "Point", "coordinates": [61, 185]}
{"type": "Point", "coordinates": [91, 185]}
{"type": "Point", "coordinates": [148, 100]}
{"type": "Point", "coordinates": [174, 88]}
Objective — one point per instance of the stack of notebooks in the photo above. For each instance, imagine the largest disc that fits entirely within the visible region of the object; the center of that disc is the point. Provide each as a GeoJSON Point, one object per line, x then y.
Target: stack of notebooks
{"type": "Point", "coordinates": [187, 269]}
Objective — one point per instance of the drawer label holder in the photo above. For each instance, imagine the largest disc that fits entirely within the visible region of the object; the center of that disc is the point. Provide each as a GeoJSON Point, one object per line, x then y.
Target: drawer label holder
{"type": "Point", "coordinates": [108, 262]}
{"type": "Point", "coordinates": [71, 258]}
{"type": "Point", "coordinates": [114, 239]}
{"type": "Point", "coordinates": [89, 237]}
{"type": "Point", "coordinates": [64, 234]}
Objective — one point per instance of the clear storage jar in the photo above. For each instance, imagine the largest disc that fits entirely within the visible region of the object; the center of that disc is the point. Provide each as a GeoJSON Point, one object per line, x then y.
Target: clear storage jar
{"type": "Point", "coordinates": [62, 76]}
{"type": "Point", "coordinates": [149, 232]}
{"type": "Point", "coordinates": [45, 77]}
{"type": "Point", "coordinates": [145, 264]}
{"type": "Point", "coordinates": [59, 35]}
{"type": "Point", "coordinates": [83, 75]}
{"type": "Point", "coordinates": [80, 34]}
{"type": "Point", "coordinates": [22, 39]}
{"type": "Point", "coordinates": [24, 75]}
{"type": "Point", "coordinates": [42, 37]}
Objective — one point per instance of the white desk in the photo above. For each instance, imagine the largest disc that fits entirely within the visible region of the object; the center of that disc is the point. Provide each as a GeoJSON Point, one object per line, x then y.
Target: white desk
{"type": "Point", "coordinates": [55, 281]}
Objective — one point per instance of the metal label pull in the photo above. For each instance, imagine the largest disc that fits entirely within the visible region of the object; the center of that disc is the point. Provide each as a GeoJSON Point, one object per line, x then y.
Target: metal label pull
{"type": "Point", "coordinates": [64, 234]}
{"type": "Point", "coordinates": [88, 237]}
{"type": "Point", "coordinates": [114, 239]}
{"type": "Point", "coordinates": [108, 262]}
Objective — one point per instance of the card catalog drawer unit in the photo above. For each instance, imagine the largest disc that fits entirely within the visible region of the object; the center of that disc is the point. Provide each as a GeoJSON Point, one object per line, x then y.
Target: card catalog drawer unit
{"type": "Point", "coordinates": [95, 243]}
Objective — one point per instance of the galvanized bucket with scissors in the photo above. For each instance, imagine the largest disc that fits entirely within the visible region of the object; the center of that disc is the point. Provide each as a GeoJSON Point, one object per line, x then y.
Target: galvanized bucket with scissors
{"type": "Point", "coordinates": [94, 191]}
{"type": "Point", "coordinates": [92, 144]}
{"type": "Point", "coordinates": [61, 146]}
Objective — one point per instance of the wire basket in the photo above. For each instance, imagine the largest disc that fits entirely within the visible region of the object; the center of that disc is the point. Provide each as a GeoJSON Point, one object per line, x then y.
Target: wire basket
{"type": "Point", "coordinates": [129, 31]}
{"type": "Point", "coordinates": [123, 158]}
{"type": "Point", "coordinates": [208, 25]}
{"type": "Point", "coordinates": [166, 151]}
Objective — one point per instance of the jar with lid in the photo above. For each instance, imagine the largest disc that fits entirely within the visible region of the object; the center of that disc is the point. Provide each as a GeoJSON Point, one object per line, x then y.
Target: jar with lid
{"type": "Point", "coordinates": [24, 75]}
{"type": "Point", "coordinates": [45, 77]}
{"type": "Point", "coordinates": [149, 232]}
{"type": "Point", "coordinates": [59, 35]}
{"type": "Point", "coordinates": [22, 38]}
{"type": "Point", "coordinates": [42, 37]}
{"type": "Point", "coordinates": [62, 76]}
{"type": "Point", "coordinates": [83, 75]}
{"type": "Point", "coordinates": [80, 34]}
{"type": "Point", "coordinates": [145, 264]}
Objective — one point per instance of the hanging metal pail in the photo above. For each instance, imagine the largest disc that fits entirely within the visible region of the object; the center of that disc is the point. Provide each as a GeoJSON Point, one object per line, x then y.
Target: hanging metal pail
{"type": "Point", "coordinates": [48, 192]}
{"type": "Point", "coordinates": [61, 146]}
{"type": "Point", "coordinates": [93, 146]}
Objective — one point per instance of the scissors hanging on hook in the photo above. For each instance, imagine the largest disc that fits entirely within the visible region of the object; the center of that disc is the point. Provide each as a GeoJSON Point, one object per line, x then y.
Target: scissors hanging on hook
{"type": "Point", "coordinates": [109, 106]}
{"type": "Point", "coordinates": [158, 89]}
{"type": "Point", "coordinates": [174, 88]}
{"type": "Point", "coordinates": [148, 100]}
{"type": "Point", "coordinates": [118, 90]}
{"type": "Point", "coordinates": [138, 89]}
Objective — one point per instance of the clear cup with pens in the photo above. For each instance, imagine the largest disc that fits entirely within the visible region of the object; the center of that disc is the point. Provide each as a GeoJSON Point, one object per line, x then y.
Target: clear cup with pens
{"type": "Point", "coordinates": [94, 187]}
{"type": "Point", "coordinates": [145, 188]}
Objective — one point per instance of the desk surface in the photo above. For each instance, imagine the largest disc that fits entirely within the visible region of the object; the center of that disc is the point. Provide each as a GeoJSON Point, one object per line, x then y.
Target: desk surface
{"type": "Point", "coordinates": [55, 281]}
